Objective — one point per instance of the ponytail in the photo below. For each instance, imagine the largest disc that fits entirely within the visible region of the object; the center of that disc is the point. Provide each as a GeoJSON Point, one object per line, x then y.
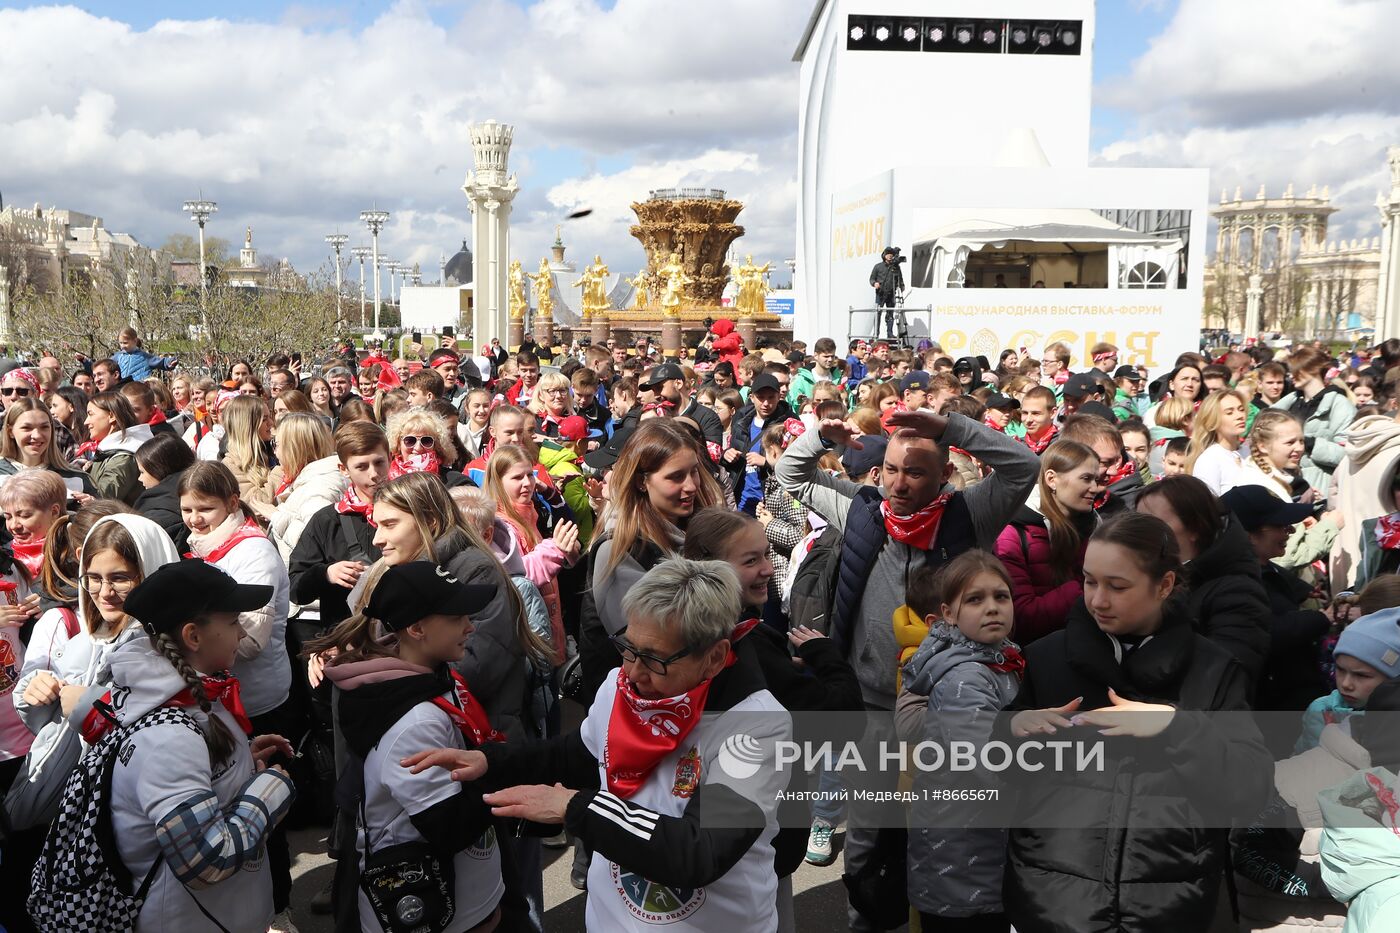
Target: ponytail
{"type": "Point", "coordinates": [217, 737]}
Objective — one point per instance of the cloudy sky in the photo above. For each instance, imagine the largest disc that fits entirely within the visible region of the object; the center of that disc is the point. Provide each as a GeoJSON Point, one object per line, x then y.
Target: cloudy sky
{"type": "Point", "coordinates": [295, 116]}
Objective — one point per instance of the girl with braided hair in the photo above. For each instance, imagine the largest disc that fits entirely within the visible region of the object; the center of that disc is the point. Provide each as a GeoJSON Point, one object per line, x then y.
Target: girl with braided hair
{"type": "Point", "coordinates": [1276, 451]}
{"type": "Point", "coordinates": [193, 799]}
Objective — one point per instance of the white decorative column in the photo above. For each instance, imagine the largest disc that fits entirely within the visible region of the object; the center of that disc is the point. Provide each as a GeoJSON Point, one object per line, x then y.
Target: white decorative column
{"type": "Point", "coordinates": [1388, 287]}
{"type": "Point", "coordinates": [1251, 313]}
{"type": "Point", "coordinates": [490, 189]}
{"type": "Point", "coordinates": [6, 320]}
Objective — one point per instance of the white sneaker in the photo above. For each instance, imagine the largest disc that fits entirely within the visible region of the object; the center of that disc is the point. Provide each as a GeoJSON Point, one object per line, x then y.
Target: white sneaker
{"type": "Point", "coordinates": [282, 923]}
{"type": "Point", "coordinates": [819, 851]}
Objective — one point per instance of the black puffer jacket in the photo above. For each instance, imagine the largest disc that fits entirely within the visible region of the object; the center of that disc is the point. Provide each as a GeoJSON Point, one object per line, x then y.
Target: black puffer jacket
{"type": "Point", "coordinates": [1292, 675]}
{"type": "Point", "coordinates": [1228, 598]}
{"type": "Point", "coordinates": [161, 504]}
{"type": "Point", "coordinates": [1129, 858]}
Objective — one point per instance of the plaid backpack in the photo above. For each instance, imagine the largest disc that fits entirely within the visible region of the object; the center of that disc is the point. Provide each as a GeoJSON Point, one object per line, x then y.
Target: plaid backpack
{"type": "Point", "coordinates": [80, 882]}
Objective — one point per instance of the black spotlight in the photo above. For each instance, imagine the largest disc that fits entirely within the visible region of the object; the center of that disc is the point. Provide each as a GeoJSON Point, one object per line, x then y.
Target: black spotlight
{"type": "Point", "coordinates": [979, 35]}
{"type": "Point", "coordinates": [1044, 37]}
{"type": "Point", "coordinates": [937, 35]}
{"type": "Point", "coordinates": [860, 33]}
{"type": "Point", "coordinates": [908, 34]}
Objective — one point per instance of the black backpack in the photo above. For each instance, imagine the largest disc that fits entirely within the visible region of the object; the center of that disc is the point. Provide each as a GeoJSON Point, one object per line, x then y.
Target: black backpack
{"type": "Point", "coordinates": [814, 586]}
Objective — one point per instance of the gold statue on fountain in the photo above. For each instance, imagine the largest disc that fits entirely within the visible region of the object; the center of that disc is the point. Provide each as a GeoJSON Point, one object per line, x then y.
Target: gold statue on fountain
{"type": "Point", "coordinates": [543, 287]}
{"type": "Point", "coordinates": [752, 287]}
{"type": "Point", "coordinates": [643, 289]}
{"type": "Point", "coordinates": [677, 282]}
{"type": "Point", "coordinates": [593, 282]}
{"type": "Point", "coordinates": [518, 301]}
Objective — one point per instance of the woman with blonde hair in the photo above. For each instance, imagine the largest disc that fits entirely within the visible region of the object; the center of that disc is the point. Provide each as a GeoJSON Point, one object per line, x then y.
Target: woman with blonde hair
{"type": "Point", "coordinates": [1174, 419]}
{"type": "Point", "coordinates": [415, 519]}
{"type": "Point", "coordinates": [306, 479]}
{"type": "Point", "coordinates": [294, 400]}
{"type": "Point", "coordinates": [552, 402]}
{"type": "Point", "coordinates": [421, 442]}
{"type": "Point", "coordinates": [182, 393]}
{"type": "Point", "coordinates": [657, 483]}
{"type": "Point", "coordinates": [1217, 437]}
{"type": "Point", "coordinates": [510, 482]}
{"type": "Point", "coordinates": [248, 429]}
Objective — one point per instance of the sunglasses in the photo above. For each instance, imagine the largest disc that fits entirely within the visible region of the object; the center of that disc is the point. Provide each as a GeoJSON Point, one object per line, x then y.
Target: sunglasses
{"type": "Point", "coordinates": [426, 441]}
{"type": "Point", "coordinates": [10, 391]}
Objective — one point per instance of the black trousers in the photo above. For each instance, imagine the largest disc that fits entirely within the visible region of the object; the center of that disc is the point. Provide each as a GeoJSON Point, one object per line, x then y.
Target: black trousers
{"type": "Point", "coordinates": [21, 851]}
{"type": "Point", "coordinates": [885, 299]}
{"type": "Point", "coordinates": [287, 721]}
{"type": "Point", "coordinates": [980, 923]}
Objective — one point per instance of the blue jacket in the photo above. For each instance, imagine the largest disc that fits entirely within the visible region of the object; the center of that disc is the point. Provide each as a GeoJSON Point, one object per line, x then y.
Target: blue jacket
{"type": "Point", "coordinates": [138, 363]}
{"type": "Point", "coordinates": [1319, 711]}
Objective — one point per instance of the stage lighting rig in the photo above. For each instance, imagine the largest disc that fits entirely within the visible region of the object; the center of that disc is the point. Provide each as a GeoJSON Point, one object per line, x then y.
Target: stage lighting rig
{"type": "Point", "coordinates": [1045, 37]}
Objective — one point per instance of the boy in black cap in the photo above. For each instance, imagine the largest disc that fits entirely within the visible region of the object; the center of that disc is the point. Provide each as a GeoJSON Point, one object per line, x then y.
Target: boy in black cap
{"type": "Point", "coordinates": [667, 381]}
{"type": "Point", "coordinates": [1078, 389]}
{"type": "Point", "coordinates": [913, 390]}
{"type": "Point", "coordinates": [745, 458]}
{"type": "Point", "coordinates": [1129, 401]}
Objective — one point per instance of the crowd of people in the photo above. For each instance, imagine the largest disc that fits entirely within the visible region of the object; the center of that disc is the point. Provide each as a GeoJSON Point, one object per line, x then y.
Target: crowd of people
{"type": "Point", "coordinates": [357, 592]}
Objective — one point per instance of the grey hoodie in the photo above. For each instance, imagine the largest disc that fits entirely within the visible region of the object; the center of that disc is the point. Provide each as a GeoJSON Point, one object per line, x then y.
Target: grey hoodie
{"type": "Point", "coordinates": [956, 872]}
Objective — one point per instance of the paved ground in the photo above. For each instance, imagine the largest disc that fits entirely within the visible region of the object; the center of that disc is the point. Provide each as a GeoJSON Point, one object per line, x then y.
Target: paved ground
{"type": "Point", "coordinates": [820, 897]}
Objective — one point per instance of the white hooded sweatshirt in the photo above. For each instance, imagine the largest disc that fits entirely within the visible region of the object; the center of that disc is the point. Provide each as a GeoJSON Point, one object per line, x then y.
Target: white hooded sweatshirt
{"type": "Point", "coordinates": [86, 658]}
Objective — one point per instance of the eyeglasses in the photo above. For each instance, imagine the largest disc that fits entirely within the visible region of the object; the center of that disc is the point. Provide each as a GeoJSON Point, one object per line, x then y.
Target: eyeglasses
{"type": "Point", "coordinates": [426, 441]}
{"type": "Point", "coordinates": [120, 585]}
{"type": "Point", "coordinates": [21, 391]}
{"type": "Point", "coordinates": [559, 391]}
{"type": "Point", "coordinates": [650, 661]}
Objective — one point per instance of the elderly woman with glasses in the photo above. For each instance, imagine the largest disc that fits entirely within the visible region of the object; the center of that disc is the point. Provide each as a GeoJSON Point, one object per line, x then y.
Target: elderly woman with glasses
{"type": "Point", "coordinates": [552, 402]}
{"type": "Point", "coordinates": [630, 781]}
{"type": "Point", "coordinates": [421, 442]}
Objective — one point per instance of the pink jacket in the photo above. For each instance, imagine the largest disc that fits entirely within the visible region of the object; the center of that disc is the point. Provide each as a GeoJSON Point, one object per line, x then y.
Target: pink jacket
{"type": "Point", "coordinates": [1042, 605]}
{"type": "Point", "coordinates": [541, 564]}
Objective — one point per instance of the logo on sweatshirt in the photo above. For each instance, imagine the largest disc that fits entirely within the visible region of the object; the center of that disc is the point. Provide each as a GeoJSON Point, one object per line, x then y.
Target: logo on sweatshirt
{"type": "Point", "coordinates": [687, 774]}
{"type": "Point", "coordinates": [655, 903]}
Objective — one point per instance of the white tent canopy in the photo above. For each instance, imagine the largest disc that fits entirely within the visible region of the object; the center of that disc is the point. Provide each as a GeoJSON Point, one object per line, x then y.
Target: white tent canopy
{"type": "Point", "coordinates": [1137, 260]}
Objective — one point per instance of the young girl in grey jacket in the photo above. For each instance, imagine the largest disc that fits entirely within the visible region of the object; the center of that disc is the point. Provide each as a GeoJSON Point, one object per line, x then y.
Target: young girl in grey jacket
{"type": "Point", "coordinates": [967, 671]}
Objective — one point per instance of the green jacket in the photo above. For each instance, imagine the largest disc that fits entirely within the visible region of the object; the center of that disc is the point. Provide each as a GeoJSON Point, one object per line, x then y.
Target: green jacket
{"type": "Point", "coordinates": [1360, 853]}
{"type": "Point", "coordinates": [116, 476]}
{"type": "Point", "coordinates": [569, 478]}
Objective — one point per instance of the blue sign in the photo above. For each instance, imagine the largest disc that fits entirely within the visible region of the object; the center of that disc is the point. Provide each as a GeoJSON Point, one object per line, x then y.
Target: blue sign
{"type": "Point", "coordinates": [780, 305]}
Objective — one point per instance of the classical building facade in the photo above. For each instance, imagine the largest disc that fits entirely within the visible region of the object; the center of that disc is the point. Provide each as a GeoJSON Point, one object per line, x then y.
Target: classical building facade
{"type": "Point", "coordinates": [1306, 283]}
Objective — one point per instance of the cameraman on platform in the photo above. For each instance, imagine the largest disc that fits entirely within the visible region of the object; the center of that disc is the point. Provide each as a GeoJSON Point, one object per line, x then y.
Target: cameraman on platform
{"type": "Point", "coordinates": [888, 281]}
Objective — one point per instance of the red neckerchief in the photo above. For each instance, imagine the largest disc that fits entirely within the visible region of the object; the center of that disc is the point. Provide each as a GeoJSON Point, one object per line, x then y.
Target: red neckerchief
{"type": "Point", "coordinates": [1387, 531]}
{"type": "Point", "coordinates": [1038, 446]}
{"type": "Point", "coordinates": [30, 554]}
{"type": "Point", "coordinates": [744, 627]}
{"type": "Point", "coordinates": [249, 529]}
{"type": "Point", "coordinates": [467, 714]}
{"type": "Point", "coordinates": [1387, 799]}
{"type": "Point", "coordinates": [642, 732]}
{"type": "Point", "coordinates": [1013, 662]}
{"type": "Point", "coordinates": [1125, 469]}
{"type": "Point", "coordinates": [283, 486]}
{"type": "Point", "coordinates": [661, 406]}
{"type": "Point", "coordinates": [222, 687]}
{"type": "Point", "coordinates": [987, 420]}
{"type": "Point", "coordinates": [1061, 377]}
{"type": "Point", "coordinates": [713, 450]}
{"type": "Point", "coordinates": [414, 463]}
{"type": "Point", "coordinates": [85, 448]}
{"type": "Point", "coordinates": [917, 530]}
{"type": "Point", "coordinates": [351, 504]}
{"type": "Point", "coordinates": [157, 417]}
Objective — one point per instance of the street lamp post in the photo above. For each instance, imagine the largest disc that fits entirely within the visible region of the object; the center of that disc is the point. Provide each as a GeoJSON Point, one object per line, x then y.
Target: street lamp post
{"type": "Point", "coordinates": [375, 220]}
{"type": "Point", "coordinates": [361, 253]}
{"type": "Point", "coordinates": [200, 211]}
{"type": "Point", "coordinates": [393, 266]}
{"type": "Point", "coordinates": [337, 242]}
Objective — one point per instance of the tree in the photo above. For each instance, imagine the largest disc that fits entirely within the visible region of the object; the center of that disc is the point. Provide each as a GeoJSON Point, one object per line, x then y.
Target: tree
{"type": "Point", "coordinates": [186, 246]}
{"type": "Point", "coordinates": [27, 267]}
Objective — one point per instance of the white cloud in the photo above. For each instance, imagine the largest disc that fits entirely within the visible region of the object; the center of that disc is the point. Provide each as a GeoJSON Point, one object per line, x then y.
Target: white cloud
{"type": "Point", "coordinates": [295, 126]}
{"type": "Point", "coordinates": [1278, 92]}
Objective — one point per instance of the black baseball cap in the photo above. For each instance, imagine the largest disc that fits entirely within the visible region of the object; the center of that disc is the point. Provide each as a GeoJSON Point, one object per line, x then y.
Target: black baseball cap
{"type": "Point", "coordinates": [915, 380]}
{"type": "Point", "coordinates": [176, 593]}
{"type": "Point", "coordinates": [871, 454]}
{"type": "Point", "coordinates": [409, 592]}
{"type": "Point", "coordinates": [604, 457]}
{"type": "Point", "coordinates": [664, 372]}
{"type": "Point", "coordinates": [765, 381]}
{"type": "Point", "coordinates": [1256, 507]}
{"type": "Point", "coordinates": [1128, 372]}
{"type": "Point", "coordinates": [1081, 384]}
{"type": "Point", "coordinates": [997, 400]}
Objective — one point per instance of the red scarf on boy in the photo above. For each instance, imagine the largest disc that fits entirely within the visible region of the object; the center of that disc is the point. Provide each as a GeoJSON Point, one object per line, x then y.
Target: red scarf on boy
{"type": "Point", "coordinates": [351, 504]}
